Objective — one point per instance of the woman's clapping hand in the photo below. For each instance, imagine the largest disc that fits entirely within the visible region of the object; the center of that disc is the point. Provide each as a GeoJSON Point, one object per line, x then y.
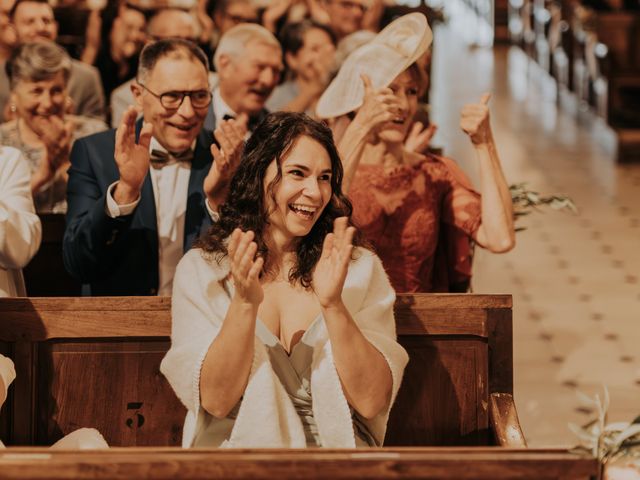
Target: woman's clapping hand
{"type": "Point", "coordinates": [56, 134]}
{"type": "Point", "coordinates": [245, 267]}
{"type": "Point", "coordinates": [331, 270]}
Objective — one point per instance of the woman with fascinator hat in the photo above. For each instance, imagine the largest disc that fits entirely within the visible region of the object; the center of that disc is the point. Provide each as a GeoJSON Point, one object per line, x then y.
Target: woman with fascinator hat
{"type": "Point", "coordinates": [419, 211]}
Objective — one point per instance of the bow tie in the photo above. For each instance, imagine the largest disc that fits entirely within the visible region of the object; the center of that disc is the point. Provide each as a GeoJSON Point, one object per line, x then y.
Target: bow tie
{"type": "Point", "coordinates": [160, 158]}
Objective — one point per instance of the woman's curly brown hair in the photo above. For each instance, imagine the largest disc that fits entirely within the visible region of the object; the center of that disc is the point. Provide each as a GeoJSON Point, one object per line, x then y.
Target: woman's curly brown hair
{"type": "Point", "coordinates": [245, 205]}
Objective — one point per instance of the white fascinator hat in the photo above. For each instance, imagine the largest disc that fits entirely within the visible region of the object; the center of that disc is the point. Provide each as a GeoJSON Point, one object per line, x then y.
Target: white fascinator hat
{"type": "Point", "coordinates": [390, 53]}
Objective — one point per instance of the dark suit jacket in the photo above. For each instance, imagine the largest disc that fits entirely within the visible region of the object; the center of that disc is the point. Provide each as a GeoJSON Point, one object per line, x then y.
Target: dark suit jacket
{"type": "Point", "coordinates": [119, 256]}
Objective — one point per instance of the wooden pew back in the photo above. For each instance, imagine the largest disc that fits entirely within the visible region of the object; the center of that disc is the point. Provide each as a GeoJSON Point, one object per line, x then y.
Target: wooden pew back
{"type": "Point", "coordinates": [94, 362]}
{"type": "Point", "coordinates": [37, 274]}
{"type": "Point", "coordinates": [477, 463]}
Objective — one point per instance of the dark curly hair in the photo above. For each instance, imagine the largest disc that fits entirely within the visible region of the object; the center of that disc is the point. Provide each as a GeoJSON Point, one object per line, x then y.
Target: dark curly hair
{"type": "Point", "coordinates": [245, 205]}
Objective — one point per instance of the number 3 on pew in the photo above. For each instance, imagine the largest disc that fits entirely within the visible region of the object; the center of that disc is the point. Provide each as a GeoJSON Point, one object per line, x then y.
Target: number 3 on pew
{"type": "Point", "coordinates": [140, 418]}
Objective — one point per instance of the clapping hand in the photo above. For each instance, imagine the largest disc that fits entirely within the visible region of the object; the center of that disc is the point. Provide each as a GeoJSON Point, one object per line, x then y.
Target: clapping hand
{"type": "Point", "coordinates": [474, 120]}
{"type": "Point", "coordinates": [56, 134]}
{"type": "Point", "coordinates": [226, 158]}
{"type": "Point", "coordinates": [132, 159]}
{"type": "Point", "coordinates": [245, 267]}
{"type": "Point", "coordinates": [331, 270]}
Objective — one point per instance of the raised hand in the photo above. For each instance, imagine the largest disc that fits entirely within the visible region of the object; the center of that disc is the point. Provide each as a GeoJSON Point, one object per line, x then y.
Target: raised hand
{"type": "Point", "coordinates": [245, 267]}
{"type": "Point", "coordinates": [226, 158]}
{"type": "Point", "coordinates": [378, 106]}
{"type": "Point", "coordinates": [132, 159]}
{"type": "Point", "coordinates": [331, 270]}
{"type": "Point", "coordinates": [474, 120]}
{"type": "Point", "coordinates": [56, 133]}
{"type": "Point", "coordinates": [419, 137]}
{"type": "Point", "coordinates": [318, 12]}
{"type": "Point", "coordinates": [274, 11]}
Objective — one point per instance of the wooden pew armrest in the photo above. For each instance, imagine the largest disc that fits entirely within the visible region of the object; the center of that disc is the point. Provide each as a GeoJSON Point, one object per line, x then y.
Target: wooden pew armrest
{"type": "Point", "coordinates": [504, 421]}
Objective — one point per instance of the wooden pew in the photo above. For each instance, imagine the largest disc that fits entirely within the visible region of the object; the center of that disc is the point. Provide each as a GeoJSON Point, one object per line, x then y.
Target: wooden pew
{"type": "Point", "coordinates": [478, 463]}
{"type": "Point", "coordinates": [607, 71]}
{"type": "Point", "coordinates": [45, 276]}
{"type": "Point", "coordinates": [620, 68]}
{"type": "Point", "coordinates": [93, 362]}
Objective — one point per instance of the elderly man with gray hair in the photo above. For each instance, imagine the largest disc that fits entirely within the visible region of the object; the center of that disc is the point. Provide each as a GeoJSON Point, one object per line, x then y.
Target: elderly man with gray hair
{"type": "Point", "coordinates": [249, 63]}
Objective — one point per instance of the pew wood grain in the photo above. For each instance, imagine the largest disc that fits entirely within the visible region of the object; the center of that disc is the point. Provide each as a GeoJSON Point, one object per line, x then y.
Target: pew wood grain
{"type": "Point", "coordinates": [411, 463]}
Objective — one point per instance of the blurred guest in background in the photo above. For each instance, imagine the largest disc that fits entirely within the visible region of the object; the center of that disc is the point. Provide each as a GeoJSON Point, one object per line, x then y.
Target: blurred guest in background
{"type": "Point", "coordinates": [229, 13]}
{"type": "Point", "coordinates": [41, 129]}
{"type": "Point", "coordinates": [165, 23]}
{"type": "Point", "coordinates": [7, 33]}
{"type": "Point", "coordinates": [346, 16]}
{"type": "Point", "coordinates": [122, 40]}
{"type": "Point", "coordinates": [33, 21]}
{"type": "Point", "coordinates": [309, 49]}
{"type": "Point", "coordinates": [248, 61]}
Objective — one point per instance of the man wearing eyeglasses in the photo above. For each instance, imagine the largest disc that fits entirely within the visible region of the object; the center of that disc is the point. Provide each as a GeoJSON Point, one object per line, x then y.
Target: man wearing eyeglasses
{"type": "Point", "coordinates": [139, 196]}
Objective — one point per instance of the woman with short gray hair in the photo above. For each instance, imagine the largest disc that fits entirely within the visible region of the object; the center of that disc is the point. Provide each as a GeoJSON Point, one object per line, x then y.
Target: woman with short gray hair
{"type": "Point", "coordinates": [40, 126]}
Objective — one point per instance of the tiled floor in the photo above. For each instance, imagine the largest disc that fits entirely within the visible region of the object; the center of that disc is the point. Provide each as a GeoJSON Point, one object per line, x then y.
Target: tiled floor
{"type": "Point", "coordinates": [575, 279]}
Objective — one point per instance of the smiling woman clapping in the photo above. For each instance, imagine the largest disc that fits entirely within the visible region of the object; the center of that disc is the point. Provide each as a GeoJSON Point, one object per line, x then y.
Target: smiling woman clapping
{"type": "Point", "coordinates": [42, 128]}
{"type": "Point", "coordinates": [283, 331]}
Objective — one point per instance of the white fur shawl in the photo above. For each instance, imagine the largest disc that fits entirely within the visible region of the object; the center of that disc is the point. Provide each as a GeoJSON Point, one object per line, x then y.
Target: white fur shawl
{"type": "Point", "coordinates": [267, 417]}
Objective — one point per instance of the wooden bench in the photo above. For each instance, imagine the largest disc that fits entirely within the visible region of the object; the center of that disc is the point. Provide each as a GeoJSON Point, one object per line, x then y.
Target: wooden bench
{"type": "Point", "coordinates": [595, 54]}
{"type": "Point", "coordinates": [93, 362]}
{"type": "Point", "coordinates": [478, 463]}
{"type": "Point", "coordinates": [38, 275]}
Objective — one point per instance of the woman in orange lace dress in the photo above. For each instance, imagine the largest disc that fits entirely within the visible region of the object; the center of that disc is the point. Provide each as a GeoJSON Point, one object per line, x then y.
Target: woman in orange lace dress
{"type": "Point", "coordinates": [419, 211]}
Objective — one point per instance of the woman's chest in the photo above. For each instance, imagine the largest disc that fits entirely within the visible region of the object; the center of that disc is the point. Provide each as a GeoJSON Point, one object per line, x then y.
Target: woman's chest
{"type": "Point", "coordinates": [288, 311]}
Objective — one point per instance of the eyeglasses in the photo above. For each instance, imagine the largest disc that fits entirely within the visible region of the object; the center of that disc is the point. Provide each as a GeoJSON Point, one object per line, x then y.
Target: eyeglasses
{"type": "Point", "coordinates": [172, 100]}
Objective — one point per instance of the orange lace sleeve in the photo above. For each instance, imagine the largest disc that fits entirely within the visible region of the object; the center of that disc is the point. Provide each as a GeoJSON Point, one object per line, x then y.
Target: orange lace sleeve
{"type": "Point", "coordinates": [461, 207]}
